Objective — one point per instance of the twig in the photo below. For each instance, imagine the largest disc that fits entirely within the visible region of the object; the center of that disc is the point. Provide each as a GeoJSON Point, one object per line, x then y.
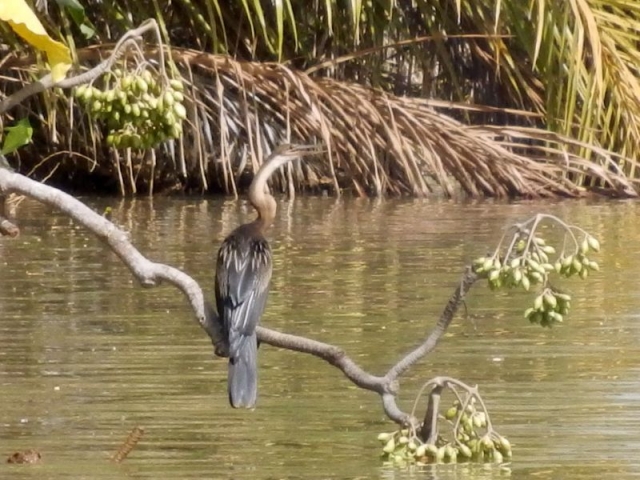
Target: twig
{"type": "Point", "coordinates": [429, 430]}
{"type": "Point", "coordinates": [147, 272]}
{"type": "Point", "coordinates": [46, 82]}
{"type": "Point", "coordinates": [468, 279]}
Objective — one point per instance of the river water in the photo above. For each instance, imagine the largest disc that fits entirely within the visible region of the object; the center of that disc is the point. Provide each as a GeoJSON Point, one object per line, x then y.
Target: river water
{"type": "Point", "coordinates": [86, 354]}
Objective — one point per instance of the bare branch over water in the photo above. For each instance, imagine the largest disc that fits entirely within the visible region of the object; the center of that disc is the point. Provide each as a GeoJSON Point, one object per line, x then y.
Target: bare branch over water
{"type": "Point", "coordinates": [151, 274]}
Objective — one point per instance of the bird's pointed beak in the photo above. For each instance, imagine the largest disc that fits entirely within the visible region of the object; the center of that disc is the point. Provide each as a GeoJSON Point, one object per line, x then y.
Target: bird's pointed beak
{"type": "Point", "coordinates": [309, 149]}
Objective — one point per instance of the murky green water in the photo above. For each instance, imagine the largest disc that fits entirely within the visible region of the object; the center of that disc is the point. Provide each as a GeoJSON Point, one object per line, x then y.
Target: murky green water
{"type": "Point", "coordinates": [86, 355]}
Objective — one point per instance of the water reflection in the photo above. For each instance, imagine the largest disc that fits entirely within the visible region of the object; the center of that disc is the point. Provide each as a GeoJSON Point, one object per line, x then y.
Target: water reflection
{"type": "Point", "coordinates": [86, 354]}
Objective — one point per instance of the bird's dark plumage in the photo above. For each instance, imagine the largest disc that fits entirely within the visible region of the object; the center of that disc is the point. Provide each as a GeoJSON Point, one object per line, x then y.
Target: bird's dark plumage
{"type": "Point", "coordinates": [242, 283]}
{"type": "Point", "coordinates": [242, 280]}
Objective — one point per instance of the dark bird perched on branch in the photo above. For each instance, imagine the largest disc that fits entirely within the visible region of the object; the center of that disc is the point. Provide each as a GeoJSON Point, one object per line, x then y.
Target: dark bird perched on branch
{"type": "Point", "coordinates": [243, 273]}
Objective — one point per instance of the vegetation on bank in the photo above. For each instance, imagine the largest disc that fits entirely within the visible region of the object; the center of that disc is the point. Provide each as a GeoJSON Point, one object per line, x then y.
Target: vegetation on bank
{"type": "Point", "coordinates": [499, 99]}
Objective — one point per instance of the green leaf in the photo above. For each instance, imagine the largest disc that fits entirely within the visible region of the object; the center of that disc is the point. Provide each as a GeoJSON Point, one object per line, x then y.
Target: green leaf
{"type": "Point", "coordinates": [87, 30]}
{"type": "Point", "coordinates": [356, 10]}
{"type": "Point", "coordinates": [329, 16]}
{"type": "Point", "coordinates": [23, 21]}
{"type": "Point", "coordinates": [249, 15]}
{"type": "Point", "coordinates": [17, 136]}
{"type": "Point", "coordinates": [75, 9]}
{"type": "Point", "coordinates": [292, 21]}
{"type": "Point", "coordinates": [259, 15]}
{"type": "Point", "coordinates": [72, 4]}
{"type": "Point", "coordinates": [279, 25]}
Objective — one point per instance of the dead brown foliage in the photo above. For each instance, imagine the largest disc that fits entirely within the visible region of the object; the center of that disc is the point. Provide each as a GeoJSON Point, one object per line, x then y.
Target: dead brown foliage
{"type": "Point", "coordinates": [379, 144]}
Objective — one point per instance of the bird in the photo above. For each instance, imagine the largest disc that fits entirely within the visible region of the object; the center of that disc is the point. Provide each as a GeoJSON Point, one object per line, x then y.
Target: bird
{"type": "Point", "coordinates": [243, 272]}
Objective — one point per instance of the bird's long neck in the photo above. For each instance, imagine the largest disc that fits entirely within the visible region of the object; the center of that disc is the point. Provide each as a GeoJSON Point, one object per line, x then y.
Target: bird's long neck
{"type": "Point", "coordinates": [266, 213]}
{"type": "Point", "coordinates": [264, 203]}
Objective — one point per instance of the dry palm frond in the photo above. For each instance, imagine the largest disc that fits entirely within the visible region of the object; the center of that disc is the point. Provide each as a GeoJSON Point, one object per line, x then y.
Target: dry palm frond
{"type": "Point", "coordinates": [379, 143]}
{"type": "Point", "coordinates": [573, 63]}
{"type": "Point", "coordinates": [568, 67]}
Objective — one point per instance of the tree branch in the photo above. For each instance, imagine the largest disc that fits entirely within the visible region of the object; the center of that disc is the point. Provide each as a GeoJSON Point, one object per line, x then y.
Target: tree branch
{"type": "Point", "coordinates": [151, 274]}
{"type": "Point", "coordinates": [147, 272]}
{"type": "Point", "coordinates": [329, 353]}
{"type": "Point", "coordinates": [468, 279]}
{"type": "Point", "coordinates": [429, 430]}
{"type": "Point", "coordinates": [128, 39]}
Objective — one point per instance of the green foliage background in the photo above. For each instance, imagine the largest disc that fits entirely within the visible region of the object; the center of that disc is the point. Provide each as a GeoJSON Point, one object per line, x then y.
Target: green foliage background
{"type": "Point", "coordinates": [570, 68]}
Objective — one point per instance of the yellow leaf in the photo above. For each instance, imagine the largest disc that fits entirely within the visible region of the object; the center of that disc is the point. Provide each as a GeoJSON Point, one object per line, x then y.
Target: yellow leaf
{"type": "Point", "coordinates": [26, 24]}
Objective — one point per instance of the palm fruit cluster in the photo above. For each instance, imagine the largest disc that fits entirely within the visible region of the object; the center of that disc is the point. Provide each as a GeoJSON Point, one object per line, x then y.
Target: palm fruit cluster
{"type": "Point", "coordinates": [139, 111]}
{"type": "Point", "coordinates": [473, 442]}
{"type": "Point", "coordinates": [474, 438]}
{"type": "Point", "coordinates": [548, 308]}
{"type": "Point", "coordinates": [579, 263]}
{"type": "Point", "coordinates": [528, 264]}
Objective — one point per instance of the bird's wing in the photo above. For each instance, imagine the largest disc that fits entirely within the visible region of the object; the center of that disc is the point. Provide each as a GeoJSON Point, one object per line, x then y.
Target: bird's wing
{"type": "Point", "coordinates": [242, 283]}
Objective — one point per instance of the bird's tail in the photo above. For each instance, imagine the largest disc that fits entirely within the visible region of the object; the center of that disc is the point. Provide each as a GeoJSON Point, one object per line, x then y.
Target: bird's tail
{"type": "Point", "coordinates": [243, 370]}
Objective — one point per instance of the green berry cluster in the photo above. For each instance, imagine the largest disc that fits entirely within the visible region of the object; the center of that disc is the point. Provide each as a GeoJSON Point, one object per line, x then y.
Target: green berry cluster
{"type": "Point", "coordinates": [528, 264]}
{"type": "Point", "coordinates": [526, 269]}
{"type": "Point", "coordinates": [139, 111]}
{"type": "Point", "coordinates": [548, 308]}
{"type": "Point", "coordinates": [579, 263]}
{"type": "Point", "coordinates": [473, 442]}
{"type": "Point", "coordinates": [474, 438]}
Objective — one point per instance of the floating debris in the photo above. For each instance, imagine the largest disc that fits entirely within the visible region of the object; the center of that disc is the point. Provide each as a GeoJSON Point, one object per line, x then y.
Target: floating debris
{"type": "Point", "coordinates": [28, 456]}
{"type": "Point", "coordinates": [129, 444]}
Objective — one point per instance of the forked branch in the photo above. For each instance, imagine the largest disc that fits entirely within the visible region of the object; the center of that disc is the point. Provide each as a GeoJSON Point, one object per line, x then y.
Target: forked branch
{"type": "Point", "coordinates": [150, 274]}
